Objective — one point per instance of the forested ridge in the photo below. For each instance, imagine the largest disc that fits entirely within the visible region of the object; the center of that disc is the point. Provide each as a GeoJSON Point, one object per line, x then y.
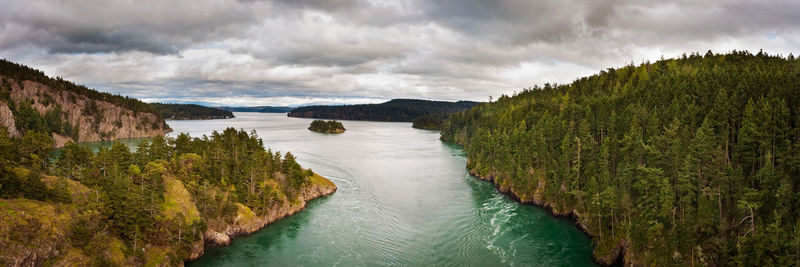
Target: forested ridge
{"type": "Point", "coordinates": [155, 206]}
{"type": "Point", "coordinates": [692, 160]}
{"type": "Point", "coordinates": [21, 73]}
{"type": "Point", "coordinates": [405, 110]}
{"type": "Point", "coordinates": [261, 109]}
{"type": "Point", "coordinates": [30, 100]}
{"type": "Point", "coordinates": [190, 112]}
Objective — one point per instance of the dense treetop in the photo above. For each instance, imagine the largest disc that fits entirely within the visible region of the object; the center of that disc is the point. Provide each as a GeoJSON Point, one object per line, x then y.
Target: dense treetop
{"type": "Point", "coordinates": [687, 160]}
{"type": "Point", "coordinates": [395, 110]}
{"type": "Point", "coordinates": [190, 112]}
{"type": "Point", "coordinates": [157, 201]}
{"type": "Point", "coordinates": [430, 121]}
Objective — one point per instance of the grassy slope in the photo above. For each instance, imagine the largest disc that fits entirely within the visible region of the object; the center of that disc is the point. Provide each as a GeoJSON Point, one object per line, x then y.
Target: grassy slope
{"type": "Point", "coordinates": [42, 229]}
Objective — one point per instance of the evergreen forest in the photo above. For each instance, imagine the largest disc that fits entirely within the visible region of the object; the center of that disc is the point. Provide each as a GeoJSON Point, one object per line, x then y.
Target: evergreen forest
{"type": "Point", "coordinates": [190, 112]}
{"type": "Point", "coordinates": [146, 207]}
{"type": "Point", "coordinates": [691, 160]}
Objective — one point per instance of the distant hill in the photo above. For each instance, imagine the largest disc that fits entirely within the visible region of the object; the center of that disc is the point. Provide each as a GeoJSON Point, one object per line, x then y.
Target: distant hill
{"type": "Point", "coordinates": [405, 110]}
{"type": "Point", "coordinates": [261, 109]}
{"type": "Point", "coordinates": [190, 112]}
{"type": "Point", "coordinates": [30, 100]}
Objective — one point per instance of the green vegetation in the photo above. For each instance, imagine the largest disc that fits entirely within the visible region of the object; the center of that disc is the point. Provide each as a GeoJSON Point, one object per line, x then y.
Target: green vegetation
{"type": "Point", "coordinates": [694, 160]}
{"type": "Point", "coordinates": [27, 118]}
{"type": "Point", "coordinates": [190, 112]}
{"type": "Point", "coordinates": [327, 126]}
{"type": "Point", "coordinates": [395, 110]}
{"type": "Point", "coordinates": [430, 121]}
{"type": "Point", "coordinates": [152, 205]}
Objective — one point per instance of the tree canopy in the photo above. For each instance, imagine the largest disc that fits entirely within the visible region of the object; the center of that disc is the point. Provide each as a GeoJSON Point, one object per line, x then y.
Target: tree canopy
{"type": "Point", "coordinates": [688, 160]}
{"type": "Point", "coordinates": [165, 194]}
{"type": "Point", "coordinates": [326, 126]}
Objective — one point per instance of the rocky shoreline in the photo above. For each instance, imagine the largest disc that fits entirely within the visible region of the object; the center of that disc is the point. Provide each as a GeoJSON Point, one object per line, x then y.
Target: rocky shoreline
{"type": "Point", "coordinates": [247, 223]}
{"type": "Point", "coordinates": [618, 255]}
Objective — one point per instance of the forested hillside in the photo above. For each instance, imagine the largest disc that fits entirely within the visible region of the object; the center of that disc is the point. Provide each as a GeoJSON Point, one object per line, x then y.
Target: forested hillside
{"type": "Point", "coordinates": [261, 109]}
{"type": "Point", "coordinates": [694, 160]}
{"type": "Point", "coordinates": [29, 100]}
{"type": "Point", "coordinates": [395, 110]}
{"type": "Point", "coordinates": [156, 206]}
{"type": "Point", "coordinates": [190, 112]}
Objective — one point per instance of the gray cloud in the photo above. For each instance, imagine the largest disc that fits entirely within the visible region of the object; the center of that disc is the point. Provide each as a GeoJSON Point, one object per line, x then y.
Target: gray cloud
{"type": "Point", "coordinates": [365, 50]}
{"type": "Point", "coordinates": [508, 21]}
{"type": "Point", "coordinates": [89, 26]}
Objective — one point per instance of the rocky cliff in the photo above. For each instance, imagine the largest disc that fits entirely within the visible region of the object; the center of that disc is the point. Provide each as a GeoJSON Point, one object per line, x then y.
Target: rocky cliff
{"type": "Point", "coordinates": [31, 100]}
{"type": "Point", "coordinates": [95, 120]}
{"type": "Point", "coordinates": [7, 120]}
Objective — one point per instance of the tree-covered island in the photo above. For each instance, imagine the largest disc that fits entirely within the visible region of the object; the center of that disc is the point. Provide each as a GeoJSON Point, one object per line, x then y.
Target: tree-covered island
{"type": "Point", "coordinates": [322, 126]}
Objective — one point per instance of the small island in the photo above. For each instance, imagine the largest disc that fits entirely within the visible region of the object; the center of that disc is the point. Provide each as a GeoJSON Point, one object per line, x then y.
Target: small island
{"type": "Point", "coordinates": [322, 126]}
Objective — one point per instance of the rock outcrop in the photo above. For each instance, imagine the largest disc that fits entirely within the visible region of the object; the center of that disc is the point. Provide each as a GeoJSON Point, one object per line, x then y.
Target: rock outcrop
{"type": "Point", "coordinates": [7, 120]}
{"type": "Point", "coordinates": [198, 248]}
{"type": "Point", "coordinates": [216, 239]}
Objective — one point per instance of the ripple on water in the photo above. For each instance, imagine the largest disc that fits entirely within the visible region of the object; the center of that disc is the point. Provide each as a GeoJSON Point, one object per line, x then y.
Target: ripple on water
{"type": "Point", "coordinates": [404, 199]}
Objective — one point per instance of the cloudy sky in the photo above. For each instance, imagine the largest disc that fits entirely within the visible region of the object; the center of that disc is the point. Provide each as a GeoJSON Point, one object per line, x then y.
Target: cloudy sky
{"type": "Point", "coordinates": [294, 52]}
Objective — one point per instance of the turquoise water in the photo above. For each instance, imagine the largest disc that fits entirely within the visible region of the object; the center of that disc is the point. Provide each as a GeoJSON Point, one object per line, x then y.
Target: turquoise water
{"type": "Point", "coordinates": [404, 198]}
{"type": "Point", "coordinates": [132, 143]}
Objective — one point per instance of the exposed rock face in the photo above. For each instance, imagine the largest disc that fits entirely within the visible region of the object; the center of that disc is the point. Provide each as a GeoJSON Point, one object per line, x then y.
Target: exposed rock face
{"type": "Point", "coordinates": [61, 140]}
{"type": "Point", "coordinates": [198, 249]}
{"type": "Point", "coordinates": [113, 122]}
{"type": "Point", "coordinates": [7, 120]}
{"type": "Point", "coordinates": [216, 239]}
